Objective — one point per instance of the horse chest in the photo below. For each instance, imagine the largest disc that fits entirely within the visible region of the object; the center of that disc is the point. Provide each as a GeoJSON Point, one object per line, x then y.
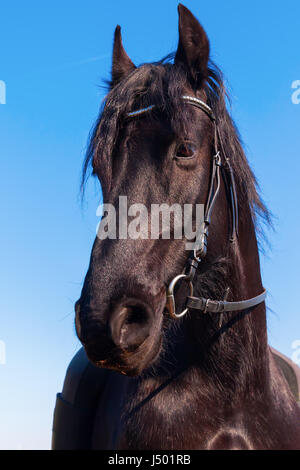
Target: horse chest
{"type": "Point", "coordinates": [180, 429]}
{"type": "Point", "coordinates": [128, 419]}
{"type": "Point", "coordinates": [131, 417]}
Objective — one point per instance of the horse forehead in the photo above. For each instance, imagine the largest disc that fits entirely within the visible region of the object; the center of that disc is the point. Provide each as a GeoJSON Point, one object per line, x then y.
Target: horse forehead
{"type": "Point", "coordinates": [179, 118]}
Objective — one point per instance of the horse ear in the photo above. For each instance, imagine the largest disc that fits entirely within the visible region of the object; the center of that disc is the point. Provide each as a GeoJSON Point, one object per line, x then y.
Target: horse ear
{"type": "Point", "coordinates": [193, 47]}
{"type": "Point", "coordinates": [121, 65]}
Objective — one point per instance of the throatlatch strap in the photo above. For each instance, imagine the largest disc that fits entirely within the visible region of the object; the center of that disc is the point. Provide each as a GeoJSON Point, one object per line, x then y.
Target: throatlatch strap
{"type": "Point", "coordinates": [220, 306]}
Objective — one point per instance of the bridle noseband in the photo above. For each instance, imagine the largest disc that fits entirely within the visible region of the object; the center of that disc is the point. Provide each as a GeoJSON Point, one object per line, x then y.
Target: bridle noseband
{"type": "Point", "coordinates": [199, 253]}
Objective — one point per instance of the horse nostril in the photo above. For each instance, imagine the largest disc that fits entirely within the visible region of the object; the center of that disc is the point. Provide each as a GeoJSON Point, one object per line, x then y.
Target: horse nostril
{"type": "Point", "coordinates": [130, 325]}
{"type": "Point", "coordinates": [136, 315]}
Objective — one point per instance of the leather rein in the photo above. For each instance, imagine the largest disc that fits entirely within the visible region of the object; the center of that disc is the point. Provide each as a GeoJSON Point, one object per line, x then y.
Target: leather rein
{"type": "Point", "coordinates": [220, 163]}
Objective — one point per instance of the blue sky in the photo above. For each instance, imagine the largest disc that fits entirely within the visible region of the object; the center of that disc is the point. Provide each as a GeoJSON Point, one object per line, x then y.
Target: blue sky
{"type": "Point", "coordinates": [53, 57]}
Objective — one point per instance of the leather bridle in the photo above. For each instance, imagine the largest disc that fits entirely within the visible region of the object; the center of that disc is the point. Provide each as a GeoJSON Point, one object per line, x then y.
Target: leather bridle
{"type": "Point", "coordinates": [220, 163]}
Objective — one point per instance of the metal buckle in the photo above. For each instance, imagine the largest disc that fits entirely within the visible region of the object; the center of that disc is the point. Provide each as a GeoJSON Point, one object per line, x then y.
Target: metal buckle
{"type": "Point", "coordinates": [206, 305]}
{"type": "Point", "coordinates": [217, 157]}
{"type": "Point", "coordinates": [170, 303]}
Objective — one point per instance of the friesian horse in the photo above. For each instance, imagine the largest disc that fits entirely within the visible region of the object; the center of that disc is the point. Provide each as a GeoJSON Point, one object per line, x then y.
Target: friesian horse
{"type": "Point", "coordinates": [207, 379]}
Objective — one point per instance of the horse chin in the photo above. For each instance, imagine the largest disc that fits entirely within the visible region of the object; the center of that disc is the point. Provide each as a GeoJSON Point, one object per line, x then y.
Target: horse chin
{"type": "Point", "coordinates": [130, 363]}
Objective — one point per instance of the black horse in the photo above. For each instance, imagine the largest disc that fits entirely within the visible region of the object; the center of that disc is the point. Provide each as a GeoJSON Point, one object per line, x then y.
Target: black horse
{"type": "Point", "coordinates": [206, 380]}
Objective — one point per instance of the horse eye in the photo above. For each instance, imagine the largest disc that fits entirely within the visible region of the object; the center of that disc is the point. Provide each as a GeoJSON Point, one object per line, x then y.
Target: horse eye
{"type": "Point", "coordinates": [185, 150]}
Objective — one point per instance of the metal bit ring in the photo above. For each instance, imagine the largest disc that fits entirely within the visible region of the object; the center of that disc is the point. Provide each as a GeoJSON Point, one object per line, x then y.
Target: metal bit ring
{"type": "Point", "coordinates": [170, 304]}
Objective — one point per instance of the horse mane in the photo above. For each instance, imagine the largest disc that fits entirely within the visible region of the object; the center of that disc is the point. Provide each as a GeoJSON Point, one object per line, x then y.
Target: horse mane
{"type": "Point", "coordinates": [162, 84]}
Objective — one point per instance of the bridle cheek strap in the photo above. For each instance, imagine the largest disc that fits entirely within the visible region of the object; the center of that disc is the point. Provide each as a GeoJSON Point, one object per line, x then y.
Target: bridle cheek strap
{"type": "Point", "coordinates": [228, 173]}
